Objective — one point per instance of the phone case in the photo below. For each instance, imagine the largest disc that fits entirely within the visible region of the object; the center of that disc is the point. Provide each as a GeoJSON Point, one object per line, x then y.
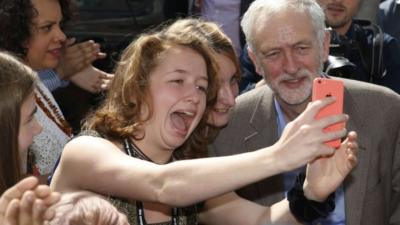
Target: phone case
{"type": "Point", "coordinates": [322, 88]}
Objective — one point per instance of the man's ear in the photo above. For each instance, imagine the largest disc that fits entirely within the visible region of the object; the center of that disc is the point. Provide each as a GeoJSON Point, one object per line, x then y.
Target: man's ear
{"type": "Point", "coordinates": [326, 44]}
{"type": "Point", "coordinates": [253, 57]}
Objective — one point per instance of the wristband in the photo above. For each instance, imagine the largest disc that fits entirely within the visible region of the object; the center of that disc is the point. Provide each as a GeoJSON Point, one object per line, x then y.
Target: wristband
{"type": "Point", "coordinates": [305, 210]}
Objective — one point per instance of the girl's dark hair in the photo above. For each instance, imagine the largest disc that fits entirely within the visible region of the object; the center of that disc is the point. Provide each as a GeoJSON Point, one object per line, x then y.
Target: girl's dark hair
{"type": "Point", "coordinates": [16, 83]}
{"type": "Point", "coordinates": [16, 20]}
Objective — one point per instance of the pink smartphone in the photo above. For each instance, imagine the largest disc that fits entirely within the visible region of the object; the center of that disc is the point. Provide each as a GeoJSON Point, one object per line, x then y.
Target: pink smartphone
{"type": "Point", "coordinates": [322, 88]}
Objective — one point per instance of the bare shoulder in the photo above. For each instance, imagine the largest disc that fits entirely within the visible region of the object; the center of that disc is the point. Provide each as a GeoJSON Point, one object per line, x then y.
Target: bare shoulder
{"type": "Point", "coordinates": [80, 158]}
{"type": "Point", "coordinates": [89, 145]}
{"type": "Point", "coordinates": [86, 151]}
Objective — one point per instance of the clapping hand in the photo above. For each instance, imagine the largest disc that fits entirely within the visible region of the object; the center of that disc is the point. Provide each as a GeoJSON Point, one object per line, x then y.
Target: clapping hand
{"type": "Point", "coordinates": [92, 79]}
{"type": "Point", "coordinates": [78, 56]}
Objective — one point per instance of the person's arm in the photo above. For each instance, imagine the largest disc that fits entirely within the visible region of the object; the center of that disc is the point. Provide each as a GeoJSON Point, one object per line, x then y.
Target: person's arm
{"type": "Point", "coordinates": [233, 210]}
{"type": "Point", "coordinates": [97, 165]}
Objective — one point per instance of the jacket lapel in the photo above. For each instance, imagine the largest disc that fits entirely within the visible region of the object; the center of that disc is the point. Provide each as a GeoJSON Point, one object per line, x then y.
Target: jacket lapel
{"type": "Point", "coordinates": [264, 133]}
{"type": "Point", "coordinates": [263, 121]}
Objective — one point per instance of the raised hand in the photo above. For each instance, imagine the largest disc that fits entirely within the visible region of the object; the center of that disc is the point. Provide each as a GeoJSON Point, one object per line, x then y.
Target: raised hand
{"type": "Point", "coordinates": [77, 57]}
{"type": "Point", "coordinates": [325, 174]}
{"type": "Point", "coordinates": [305, 136]}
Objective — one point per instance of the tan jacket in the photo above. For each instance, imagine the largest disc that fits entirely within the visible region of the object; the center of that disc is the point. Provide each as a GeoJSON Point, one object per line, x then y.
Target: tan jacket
{"type": "Point", "coordinates": [372, 190]}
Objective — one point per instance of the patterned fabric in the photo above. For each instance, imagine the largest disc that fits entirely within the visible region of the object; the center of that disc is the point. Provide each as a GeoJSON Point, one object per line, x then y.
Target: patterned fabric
{"type": "Point", "coordinates": [187, 216]}
{"type": "Point", "coordinates": [47, 146]}
{"type": "Point", "coordinates": [51, 80]}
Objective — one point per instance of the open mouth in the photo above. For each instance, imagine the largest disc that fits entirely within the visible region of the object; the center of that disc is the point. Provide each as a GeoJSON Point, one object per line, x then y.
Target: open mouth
{"type": "Point", "coordinates": [182, 120]}
{"type": "Point", "coordinates": [335, 8]}
{"type": "Point", "coordinates": [56, 53]}
{"type": "Point", "coordinates": [222, 110]}
{"type": "Point", "coordinates": [293, 83]}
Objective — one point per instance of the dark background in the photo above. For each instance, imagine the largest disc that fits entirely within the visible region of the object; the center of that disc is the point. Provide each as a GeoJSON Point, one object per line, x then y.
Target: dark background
{"type": "Point", "coordinates": [113, 24]}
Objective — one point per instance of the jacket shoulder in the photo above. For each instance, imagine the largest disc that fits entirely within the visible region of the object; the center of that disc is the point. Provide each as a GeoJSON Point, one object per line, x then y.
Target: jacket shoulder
{"type": "Point", "coordinates": [372, 95]}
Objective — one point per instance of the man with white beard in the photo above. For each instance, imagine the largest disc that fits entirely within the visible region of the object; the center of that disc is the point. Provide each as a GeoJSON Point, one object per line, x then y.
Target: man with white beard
{"type": "Point", "coordinates": [288, 43]}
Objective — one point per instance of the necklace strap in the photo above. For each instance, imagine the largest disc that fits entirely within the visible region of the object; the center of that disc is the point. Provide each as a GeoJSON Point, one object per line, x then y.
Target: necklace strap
{"type": "Point", "coordinates": [132, 150]}
{"type": "Point", "coordinates": [142, 220]}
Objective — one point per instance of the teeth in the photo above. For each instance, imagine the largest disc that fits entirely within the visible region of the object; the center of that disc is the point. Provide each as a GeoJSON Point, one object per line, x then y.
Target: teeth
{"type": "Point", "coordinates": [189, 113]}
{"type": "Point", "coordinates": [221, 110]}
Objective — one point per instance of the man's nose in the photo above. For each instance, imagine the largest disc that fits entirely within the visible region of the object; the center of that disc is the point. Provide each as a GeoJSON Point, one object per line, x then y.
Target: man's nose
{"type": "Point", "coordinates": [290, 64]}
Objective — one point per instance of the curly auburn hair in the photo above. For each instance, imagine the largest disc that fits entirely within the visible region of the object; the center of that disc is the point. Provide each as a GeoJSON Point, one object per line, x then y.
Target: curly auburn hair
{"type": "Point", "coordinates": [16, 20]}
{"type": "Point", "coordinates": [120, 115]}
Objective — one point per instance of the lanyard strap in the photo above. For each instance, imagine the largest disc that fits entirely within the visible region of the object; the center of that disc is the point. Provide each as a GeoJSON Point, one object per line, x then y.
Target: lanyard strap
{"type": "Point", "coordinates": [133, 151]}
{"type": "Point", "coordinates": [142, 221]}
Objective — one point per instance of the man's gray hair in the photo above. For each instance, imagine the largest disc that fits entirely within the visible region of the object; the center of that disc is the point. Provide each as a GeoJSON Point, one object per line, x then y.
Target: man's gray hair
{"type": "Point", "coordinates": [261, 10]}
